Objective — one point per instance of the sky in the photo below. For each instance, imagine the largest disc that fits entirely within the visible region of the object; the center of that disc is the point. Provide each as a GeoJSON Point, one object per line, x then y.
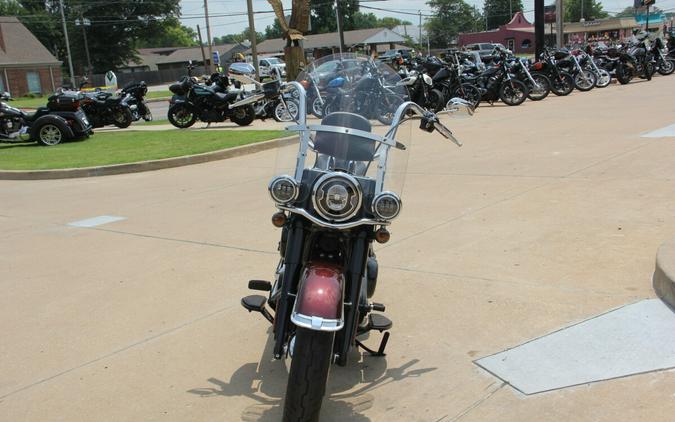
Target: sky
{"type": "Point", "coordinates": [193, 11]}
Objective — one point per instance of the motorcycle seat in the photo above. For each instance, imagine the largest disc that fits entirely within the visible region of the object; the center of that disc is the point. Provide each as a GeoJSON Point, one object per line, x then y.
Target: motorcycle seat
{"type": "Point", "coordinates": [225, 98]}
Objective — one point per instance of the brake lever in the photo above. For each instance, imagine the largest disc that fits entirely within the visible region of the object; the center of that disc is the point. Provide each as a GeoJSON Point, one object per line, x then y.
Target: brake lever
{"type": "Point", "coordinates": [429, 122]}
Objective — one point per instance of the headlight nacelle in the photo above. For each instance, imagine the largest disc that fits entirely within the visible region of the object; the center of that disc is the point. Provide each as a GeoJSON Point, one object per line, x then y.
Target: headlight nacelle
{"type": "Point", "coordinates": [283, 190]}
{"type": "Point", "coordinates": [337, 196]}
{"type": "Point", "coordinates": [386, 206]}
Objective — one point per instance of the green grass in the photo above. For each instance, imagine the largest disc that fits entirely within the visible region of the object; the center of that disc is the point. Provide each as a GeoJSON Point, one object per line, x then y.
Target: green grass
{"type": "Point", "coordinates": [126, 147]}
{"type": "Point", "coordinates": [158, 94]}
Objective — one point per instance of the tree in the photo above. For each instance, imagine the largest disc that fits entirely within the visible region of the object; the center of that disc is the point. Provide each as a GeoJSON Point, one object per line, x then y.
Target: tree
{"type": "Point", "coordinates": [324, 17]}
{"type": "Point", "coordinates": [592, 10]}
{"type": "Point", "coordinates": [626, 13]}
{"type": "Point", "coordinates": [170, 34]}
{"type": "Point", "coordinates": [274, 31]}
{"type": "Point", "coordinates": [364, 20]}
{"type": "Point", "coordinates": [499, 12]}
{"type": "Point", "coordinates": [388, 22]}
{"type": "Point", "coordinates": [10, 8]}
{"type": "Point", "coordinates": [450, 18]}
{"type": "Point", "coordinates": [112, 32]}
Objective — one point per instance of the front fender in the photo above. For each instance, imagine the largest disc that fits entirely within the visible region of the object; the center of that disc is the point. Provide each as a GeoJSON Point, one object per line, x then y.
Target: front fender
{"type": "Point", "coordinates": [318, 304]}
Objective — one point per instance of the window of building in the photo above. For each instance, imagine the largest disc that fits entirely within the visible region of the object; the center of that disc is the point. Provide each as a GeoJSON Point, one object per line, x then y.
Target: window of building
{"type": "Point", "coordinates": [33, 79]}
{"type": "Point", "coordinates": [526, 43]}
{"type": "Point", "coordinates": [510, 44]}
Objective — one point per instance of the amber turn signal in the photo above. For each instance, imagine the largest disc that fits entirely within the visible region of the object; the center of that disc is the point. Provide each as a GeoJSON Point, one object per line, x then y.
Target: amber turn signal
{"type": "Point", "coordinates": [279, 219]}
{"type": "Point", "coordinates": [382, 235]}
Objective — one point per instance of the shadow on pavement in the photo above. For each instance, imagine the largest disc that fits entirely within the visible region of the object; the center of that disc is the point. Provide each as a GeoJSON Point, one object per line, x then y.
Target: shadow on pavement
{"type": "Point", "coordinates": [347, 393]}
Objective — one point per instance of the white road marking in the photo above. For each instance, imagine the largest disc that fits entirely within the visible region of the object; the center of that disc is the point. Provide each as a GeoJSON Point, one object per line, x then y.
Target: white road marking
{"type": "Point", "coordinates": [664, 132]}
{"type": "Point", "coordinates": [96, 221]}
{"type": "Point", "coordinates": [634, 339]}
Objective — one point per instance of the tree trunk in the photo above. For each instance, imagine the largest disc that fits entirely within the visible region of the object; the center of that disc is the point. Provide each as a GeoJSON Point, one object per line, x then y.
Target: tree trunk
{"type": "Point", "coordinates": [295, 61]}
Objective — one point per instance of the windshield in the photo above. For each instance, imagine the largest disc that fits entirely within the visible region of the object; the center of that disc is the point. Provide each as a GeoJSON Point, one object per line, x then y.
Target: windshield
{"type": "Point", "coordinates": [360, 101]}
{"type": "Point", "coordinates": [274, 60]}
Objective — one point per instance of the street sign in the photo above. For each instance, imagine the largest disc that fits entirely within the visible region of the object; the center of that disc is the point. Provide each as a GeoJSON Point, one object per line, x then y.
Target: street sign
{"type": "Point", "coordinates": [549, 14]}
{"type": "Point", "coordinates": [216, 58]}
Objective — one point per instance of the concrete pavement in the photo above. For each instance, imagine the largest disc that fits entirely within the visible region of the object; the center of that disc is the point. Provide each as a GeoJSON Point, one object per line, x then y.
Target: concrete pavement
{"type": "Point", "coordinates": [551, 213]}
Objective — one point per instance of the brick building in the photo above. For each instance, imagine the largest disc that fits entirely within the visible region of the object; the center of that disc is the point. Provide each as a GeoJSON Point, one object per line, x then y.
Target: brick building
{"type": "Point", "coordinates": [26, 66]}
{"type": "Point", "coordinates": [517, 35]}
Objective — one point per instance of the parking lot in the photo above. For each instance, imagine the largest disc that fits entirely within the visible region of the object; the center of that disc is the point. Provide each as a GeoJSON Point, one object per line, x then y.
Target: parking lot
{"type": "Point", "coordinates": [550, 214]}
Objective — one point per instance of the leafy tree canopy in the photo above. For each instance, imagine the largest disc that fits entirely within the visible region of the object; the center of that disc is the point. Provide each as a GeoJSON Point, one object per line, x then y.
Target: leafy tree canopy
{"type": "Point", "coordinates": [450, 18]}
{"type": "Point", "coordinates": [500, 12]}
{"type": "Point", "coordinates": [592, 10]}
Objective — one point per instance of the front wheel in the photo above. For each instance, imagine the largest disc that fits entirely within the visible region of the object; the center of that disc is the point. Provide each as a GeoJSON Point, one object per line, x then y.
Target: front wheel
{"type": "Point", "coordinates": [513, 92]}
{"type": "Point", "coordinates": [468, 92]}
{"type": "Point", "coordinates": [286, 112]}
{"type": "Point", "coordinates": [540, 88]}
{"type": "Point", "coordinates": [180, 116]}
{"type": "Point", "coordinates": [623, 74]}
{"type": "Point", "coordinates": [666, 67]}
{"type": "Point", "coordinates": [562, 84]}
{"type": "Point", "coordinates": [317, 107]}
{"type": "Point", "coordinates": [604, 78]}
{"type": "Point", "coordinates": [386, 108]}
{"type": "Point", "coordinates": [243, 116]}
{"type": "Point", "coordinates": [584, 80]}
{"type": "Point", "coordinates": [311, 351]}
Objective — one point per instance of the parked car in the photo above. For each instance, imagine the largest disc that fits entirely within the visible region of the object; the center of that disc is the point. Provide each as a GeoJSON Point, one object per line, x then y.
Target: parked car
{"type": "Point", "coordinates": [484, 49]}
{"type": "Point", "coordinates": [271, 67]}
{"type": "Point", "coordinates": [388, 55]}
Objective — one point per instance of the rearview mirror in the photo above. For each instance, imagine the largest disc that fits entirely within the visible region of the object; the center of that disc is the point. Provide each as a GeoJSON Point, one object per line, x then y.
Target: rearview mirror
{"type": "Point", "coordinates": [458, 108]}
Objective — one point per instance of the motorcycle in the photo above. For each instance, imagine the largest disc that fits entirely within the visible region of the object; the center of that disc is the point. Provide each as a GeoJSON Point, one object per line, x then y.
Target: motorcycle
{"type": "Point", "coordinates": [420, 88]}
{"type": "Point", "coordinates": [602, 77]}
{"type": "Point", "coordinates": [194, 101]}
{"type": "Point", "coordinates": [498, 82]}
{"type": "Point", "coordinates": [449, 81]}
{"type": "Point", "coordinates": [664, 65]}
{"type": "Point", "coordinates": [537, 83]}
{"type": "Point", "coordinates": [104, 108]}
{"type": "Point", "coordinates": [584, 79]}
{"type": "Point", "coordinates": [634, 60]}
{"type": "Point", "coordinates": [135, 93]}
{"type": "Point", "coordinates": [562, 83]}
{"type": "Point", "coordinates": [61, 119]}
{"type": "Point", "coordinates": [338, 194]}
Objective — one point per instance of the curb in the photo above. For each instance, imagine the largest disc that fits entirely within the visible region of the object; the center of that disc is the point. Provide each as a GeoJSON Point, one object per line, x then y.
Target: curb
{"type": "Point", "coordinates": [150, 165]}
{"type": "Point", "coordinates": [664, 274]}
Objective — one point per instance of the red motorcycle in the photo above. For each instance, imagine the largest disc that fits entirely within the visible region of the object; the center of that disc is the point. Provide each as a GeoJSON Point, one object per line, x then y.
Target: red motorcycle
{"type": "Point", "coordinates": [338, 192]}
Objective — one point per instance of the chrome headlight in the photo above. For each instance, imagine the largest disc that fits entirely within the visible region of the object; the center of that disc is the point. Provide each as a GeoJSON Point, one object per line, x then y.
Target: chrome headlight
{"type": "Point", "coordinates": [386, 205]}
{"type": "Point", "coordinates": [336, 196]}
{"type": "Point", "coordinates": [283, 189]}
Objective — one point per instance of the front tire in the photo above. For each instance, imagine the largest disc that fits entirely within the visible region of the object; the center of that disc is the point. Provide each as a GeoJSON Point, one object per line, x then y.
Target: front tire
{"type": "Point", "coordinates": [513, 92]}
{"type": "Point", "coordinates": [243, 116]}
{"type": "Point", "coordinates": [604, 78]}
{"type": "Point", "coordinates": [286, 112]}
{"type": "Point", "coordinates": [666, 67]}
{"type": "Point", "coordinates": [181, 117]}
{"type": "Point", "coordinates": [317, 107]}
{"type": "Point", "coordinates": [312, 352]}
{"type": "Point", "coordinates": [623, 75]}
{"type": "Point", "coordinates": [468, 92]}
{"type": "Point", "coordinates": [585, 80]}
{"type": "Point", "coordinates": [562, 85]}
{"type": "Point", "coordinates": [542, 88]}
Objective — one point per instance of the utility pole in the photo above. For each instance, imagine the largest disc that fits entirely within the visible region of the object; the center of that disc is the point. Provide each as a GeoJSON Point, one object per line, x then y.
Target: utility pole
{"type": "Point", "coordinates": [252, 37]}
{"type": "Point", "coordinates": [560, 40]}
{"type": "Point", "coordinates": [538, 28]}
{"type": "Point", "coordinates": [65, 33]}
{"type": "Point", "coordinates": [201, 44]}
{"type": "Point", "coordinates": [208, 36]}
{"type": "Point", "coordinates": [339, 26]}
{"type": "Point", "coordinates": [420, 28]}
{"type": "Point", "coordinates": [582, 18]}
{"type": "Point", "coordinates": [84, 23]}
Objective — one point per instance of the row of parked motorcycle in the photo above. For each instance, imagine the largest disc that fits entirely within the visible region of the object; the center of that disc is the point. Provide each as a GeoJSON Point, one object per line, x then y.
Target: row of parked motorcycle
{"type": "Point", "coordinates": [73, 114]}
{"type": "Point", "coordinates": [507, 78]}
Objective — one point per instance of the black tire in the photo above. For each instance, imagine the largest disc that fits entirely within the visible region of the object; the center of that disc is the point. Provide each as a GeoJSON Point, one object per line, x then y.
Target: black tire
{"type": "Point", "coordinates": [436, 102]}
{"type": "Point", "coordinates": [469, 92]}
{"type": "Point", "coordinates": [538, 94]}
{"type": "Point", "coordinates": [122, 117]}
{"type": "Point", "coordinates": [666, 67]}
{"type": "Point", "coordinates": [513, 92]}
{"type": "Point", "coordinates": [648, 72]}
{"type": "Point", "coordinates": [562, 85]}
{"type": "Point", "coordinates": [585, 80]}
{"type": "Point", "coordinates": [180, 116]}
{"type": "Point", "coordinates": [317, 107]}
{"type": "Point", "coordinates": [50, 133]}
{"type": "Point", "coordinates": [623, 74]}
{"type": "Point", "coordinates": [386, 108]}
{"type": "Point", "coordinates": [312, 352]}
{"type": "Point", "coordinates": [243, 116]}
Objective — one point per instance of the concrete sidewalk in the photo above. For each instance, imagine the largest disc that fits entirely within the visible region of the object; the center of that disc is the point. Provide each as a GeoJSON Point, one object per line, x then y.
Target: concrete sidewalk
{"type": "Point", "coordinates": [551, 213]}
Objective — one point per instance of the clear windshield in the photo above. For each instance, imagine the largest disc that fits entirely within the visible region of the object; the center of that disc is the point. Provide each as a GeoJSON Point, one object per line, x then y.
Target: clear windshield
{"type": "Point", "coordinates": [360, 99]}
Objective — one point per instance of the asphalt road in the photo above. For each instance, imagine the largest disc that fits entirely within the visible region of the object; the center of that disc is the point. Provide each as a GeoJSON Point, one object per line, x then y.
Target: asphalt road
{"type": "Point", "coordinates": [550, 214]}
{"type": "Point", "coordinates": [159, 109]}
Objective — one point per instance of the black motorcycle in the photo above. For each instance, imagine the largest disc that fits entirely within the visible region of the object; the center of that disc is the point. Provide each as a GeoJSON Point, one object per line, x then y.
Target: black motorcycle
{"type": "Point", "coordinates": [537, 83]}
{"type": "Point", "coordinates": [135, 97]}
{"type": "Point", "coordinates": [104, 108]}
{"type": "Point", "coordinates": [664, 64]}
{"type": "Point", "coordinates": [634, 61]}
{"type": "Point", "coordinates": [499, 82]}
{"type": "Point", "coordinates": [449, 80]}
{"type": "Point", "coordinates": [60, 120]}
{"type": "Point", "coordinates": [562, 83]}
{"type": "Point", "coordinates": [584, 79]}
{"type": "Point", "coordinates": [211, 103]}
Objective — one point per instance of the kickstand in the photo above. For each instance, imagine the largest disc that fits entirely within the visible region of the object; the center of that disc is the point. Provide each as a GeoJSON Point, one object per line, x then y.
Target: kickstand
{"type": "Point", "coordinates": [380, 350]}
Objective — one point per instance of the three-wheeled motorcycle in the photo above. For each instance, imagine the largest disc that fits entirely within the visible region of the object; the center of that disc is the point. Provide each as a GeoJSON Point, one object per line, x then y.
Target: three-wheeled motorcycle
{"type": "Point", "coordinates": [337, 190]}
